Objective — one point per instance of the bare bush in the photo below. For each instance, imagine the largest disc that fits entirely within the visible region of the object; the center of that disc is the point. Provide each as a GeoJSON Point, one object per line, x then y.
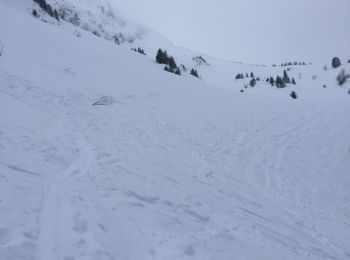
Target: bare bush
{"type": "Point", "coordinates": [342, 77]}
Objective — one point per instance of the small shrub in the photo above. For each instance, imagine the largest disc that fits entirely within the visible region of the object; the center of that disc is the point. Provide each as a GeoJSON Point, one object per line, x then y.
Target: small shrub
{"type": "Point", "coordinates": [139, 50]}
{"type": "Point", "coordinates": [243, 90]}
{"type": "Point", "coordinates": [35, 13]}
{"type": "Point", "coordinates": [324, 86]}
{"type": "Point", "coordinates": [2, 49]}
{"type": "Point", "coordinates": [342, 77]}
{"type": "Point", "coordinates": [252, 82]}
{"type": "Point", "coordinates": [314, 77]}
{"type": "Point", "coordinates": [336, 62]}
{"type": "Point", "coordinates": [293, 95]}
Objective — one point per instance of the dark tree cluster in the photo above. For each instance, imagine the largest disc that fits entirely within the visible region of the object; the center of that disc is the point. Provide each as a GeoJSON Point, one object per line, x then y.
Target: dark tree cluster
{"type": "Point", "coordinates": [47, 8]}
{"type": "Point", "coordinates": [281, 82]}
{"type": "Point", "coordinates": [239, 76]}
{"type": "Point", "coordinates": [295, 63]}
{"type": "Point", "coordinates": [163, 58]}
{"type": "Point", "coordinates": [194, 73]}
{"type": "Point", "coordinates": [139, 50]}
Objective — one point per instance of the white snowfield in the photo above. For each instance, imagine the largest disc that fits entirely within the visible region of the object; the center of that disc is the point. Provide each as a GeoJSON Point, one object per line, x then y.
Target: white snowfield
{"type": "Point", "coordinates": [164, 167]}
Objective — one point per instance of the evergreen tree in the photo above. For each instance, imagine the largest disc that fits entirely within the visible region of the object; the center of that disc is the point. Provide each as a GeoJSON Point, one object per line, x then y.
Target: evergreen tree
{"type": "Point", "coordinates": [252, 75]}
{"type": "Point", "coordinates": [194, 73]}
{"type": "Point", "coordinates": [336, 62]}
{"type": "Point", "coordinates": [246, 75]}
{"type": "Point", "coordinates": [177, 71]}
{"type": "Point", "coordinates": [286, 78]}
{"type": "Point", "coordinates": [238, 76]}
{"type": "Point", "coordinates": [172, 64]}
{"type": "Point", "coordinates": [166, 68]}
{"type": "Point", "coordinates": [272, 81]}
{"type": "Point", "coordinates": [279, 82]}
{"type": "Point", "coordinates": [160, 58]}
{"type": "Point", "coordinates": [293, 81]}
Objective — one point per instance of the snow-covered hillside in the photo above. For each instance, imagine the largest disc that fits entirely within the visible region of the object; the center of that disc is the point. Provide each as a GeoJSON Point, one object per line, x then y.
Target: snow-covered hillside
{"type": "Point", "coordinates": [104, 155]}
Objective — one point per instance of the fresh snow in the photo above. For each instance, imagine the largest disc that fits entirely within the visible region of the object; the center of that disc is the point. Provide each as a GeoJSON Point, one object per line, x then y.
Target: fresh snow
{"type": "Point", "coordinates": [164, 167]}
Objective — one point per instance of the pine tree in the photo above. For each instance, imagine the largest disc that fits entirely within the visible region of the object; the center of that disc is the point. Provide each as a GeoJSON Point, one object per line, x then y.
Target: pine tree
{"type": "Point", "coordinates": [272, 81]}
{"type": "Point", "coordinates": [286, 78]}
{"type": "Point", "coordinates": [160, 58]}
{"type": "Point", "coordinates": [194, 73]}
{"type": "Point", "coordinates": [279, 82]}
{"type": "Point", "coordinates": [238, 76]}
{"type": "Point", "coordinates": [172, 64]}
{"type": "Point", "coordinates": [166, 68]}
{"type": "Point", "coordinates": [252, 75]}
{"type": "Point", "coordinates": [247, 75]}
{"type": "Point", "coordinates": [293, 81]}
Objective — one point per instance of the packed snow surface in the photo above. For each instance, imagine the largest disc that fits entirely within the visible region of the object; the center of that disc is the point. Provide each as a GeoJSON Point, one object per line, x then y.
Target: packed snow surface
{"type": "Point", "coordinates": [104, 156]}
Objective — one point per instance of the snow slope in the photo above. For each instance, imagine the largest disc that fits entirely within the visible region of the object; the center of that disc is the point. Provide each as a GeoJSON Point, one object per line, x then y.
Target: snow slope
{"type": "Point", "coordinates": [170, 167]}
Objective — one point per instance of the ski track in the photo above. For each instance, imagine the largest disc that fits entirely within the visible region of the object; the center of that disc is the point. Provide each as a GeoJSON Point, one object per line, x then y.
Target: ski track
{"type": "Point", "coordinates": [86, 205]}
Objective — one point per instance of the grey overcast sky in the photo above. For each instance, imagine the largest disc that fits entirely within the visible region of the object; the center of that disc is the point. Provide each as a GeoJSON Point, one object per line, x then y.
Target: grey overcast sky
{"type": "Point", "coordinates": [255, 31]}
